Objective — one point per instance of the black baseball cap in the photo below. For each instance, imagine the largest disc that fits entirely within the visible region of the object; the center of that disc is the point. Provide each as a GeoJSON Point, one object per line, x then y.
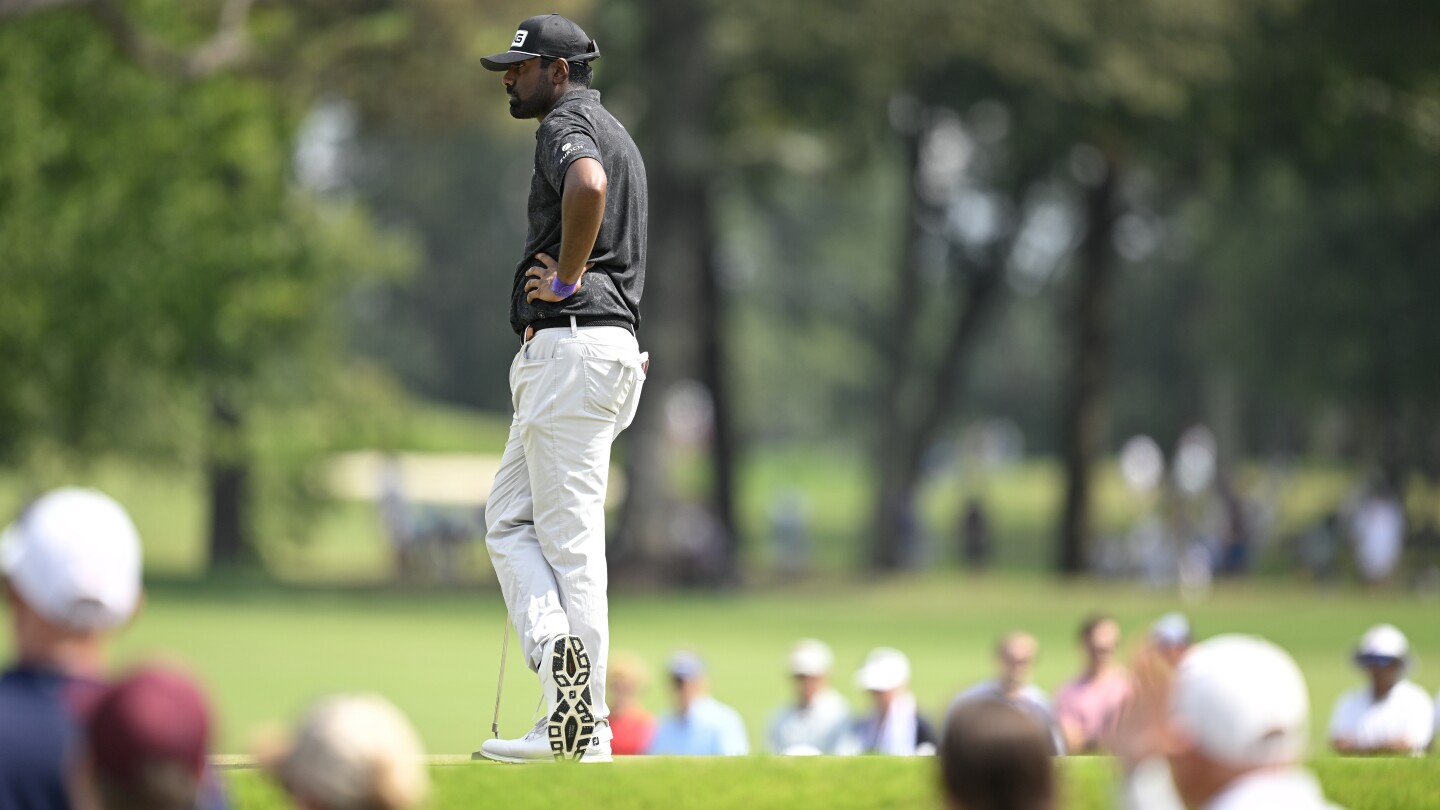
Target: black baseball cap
{"type": "Point", "coordinates": [548, 35]}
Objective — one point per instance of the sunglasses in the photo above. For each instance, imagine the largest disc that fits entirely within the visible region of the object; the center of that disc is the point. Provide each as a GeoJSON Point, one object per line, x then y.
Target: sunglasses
{"type": "Point", "coordinates": [1371, 660]}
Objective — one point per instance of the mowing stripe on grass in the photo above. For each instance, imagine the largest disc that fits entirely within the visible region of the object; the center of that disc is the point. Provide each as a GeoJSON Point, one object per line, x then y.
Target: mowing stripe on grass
{"type": "Point", "coordinates": [840, 783]}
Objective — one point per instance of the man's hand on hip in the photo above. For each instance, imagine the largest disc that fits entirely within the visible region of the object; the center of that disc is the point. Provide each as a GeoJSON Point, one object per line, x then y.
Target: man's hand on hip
{"type": "Point", "coordinates": [545, 279]}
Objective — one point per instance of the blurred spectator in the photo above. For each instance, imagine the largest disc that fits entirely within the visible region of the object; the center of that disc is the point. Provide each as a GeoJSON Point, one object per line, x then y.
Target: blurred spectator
{"type": "Point", "coordinates": [351, 752]}
{"type": "Point", "coordinates": [1170, 636]}
{"type": "Point", "coordinates": [698, 557]}
{"type": "Point", "coordinates": [1154, 550]}
{"type": "Point", "coordinates": [1379, 535]}
{"type": "Point", "coordinates": [1196, 571]}
{"type": "Point", "coordinates": [896, 727]}
{"type": "Point", "coordinates": [395, 515]}
{"type": "Point", "coordinates": [631, 725]}
{"type": "Point", "coordinates": [818, 719]}
{"type": "Point", "coordinates": [1087, 706]}
{"type": "Point", "coordinates": [1236, 530]}
{"type": "Point", "coordinates": [977, 544]}
{"type": "Point", "coordinates": [1391, 715]}
{"type": "Point", "coordinates": [71, 564]}
{"type": "Point", "coordinates": [1016, 654]}
{"type": "Point", "coordinates": [700, 726]}
{"type": "Point", "coordinates": [996, 757]}
{"type": "Point", "coordinates": [790, 524]}
{"type": "Point", "coordinates": [1225, 731]}
{"type": "Point", "coordinates": [146, 741]}
{"type": "Point", "coordinates": [1320, 549]}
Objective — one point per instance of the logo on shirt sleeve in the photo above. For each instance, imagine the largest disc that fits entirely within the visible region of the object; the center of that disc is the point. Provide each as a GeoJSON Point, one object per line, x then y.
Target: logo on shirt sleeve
{"type": "Point", "coordinates": [567, 147]}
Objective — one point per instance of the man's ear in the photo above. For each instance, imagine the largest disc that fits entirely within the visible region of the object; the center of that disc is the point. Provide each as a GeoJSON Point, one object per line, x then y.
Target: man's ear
{"type": "Point", "coordinates": [559, 71]}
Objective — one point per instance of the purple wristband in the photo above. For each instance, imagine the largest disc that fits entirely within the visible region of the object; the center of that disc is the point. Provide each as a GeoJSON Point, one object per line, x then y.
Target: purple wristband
{"type": "Point", "coordinates": [562, 290]}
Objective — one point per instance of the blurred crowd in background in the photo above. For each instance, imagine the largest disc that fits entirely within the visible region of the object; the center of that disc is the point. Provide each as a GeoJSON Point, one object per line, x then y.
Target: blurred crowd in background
{"type": "Point", "coordinates": [1195, 524]}
{"type": "Point", "coordinates": [74, 735]}
{"type": "Point", "coordinates": [1389, 714]}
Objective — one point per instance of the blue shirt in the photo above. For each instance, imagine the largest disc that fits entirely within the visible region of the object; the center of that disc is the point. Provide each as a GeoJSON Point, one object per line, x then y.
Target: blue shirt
{"type": "Point", "coordinates": [37, 735]}
{"type": "Point", "coordinates": [40, 732]}
{"type": "Point", "coordinates": [708, 729]}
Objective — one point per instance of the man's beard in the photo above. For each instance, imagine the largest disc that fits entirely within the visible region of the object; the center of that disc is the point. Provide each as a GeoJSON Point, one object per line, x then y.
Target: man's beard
{"type": "Point", "coordinates": [527, 108]}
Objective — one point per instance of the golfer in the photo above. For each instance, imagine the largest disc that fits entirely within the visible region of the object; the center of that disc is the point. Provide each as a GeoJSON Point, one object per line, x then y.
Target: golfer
{"type": "Point", "coordinates": [575, 383]}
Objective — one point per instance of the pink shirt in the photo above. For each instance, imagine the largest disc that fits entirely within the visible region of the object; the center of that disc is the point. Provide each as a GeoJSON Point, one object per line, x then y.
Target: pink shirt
{"type": "Point", "coordinates": [1092, 705]}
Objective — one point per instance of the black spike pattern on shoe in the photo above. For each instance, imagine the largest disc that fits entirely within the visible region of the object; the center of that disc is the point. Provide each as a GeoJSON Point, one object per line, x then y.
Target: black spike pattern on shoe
{"type": "Point", "coordinates": [572, 725]}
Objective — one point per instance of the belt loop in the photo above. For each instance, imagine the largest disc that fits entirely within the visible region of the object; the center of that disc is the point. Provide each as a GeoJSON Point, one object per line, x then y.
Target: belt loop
{"type": "Point", "coordinates": [574, 327]}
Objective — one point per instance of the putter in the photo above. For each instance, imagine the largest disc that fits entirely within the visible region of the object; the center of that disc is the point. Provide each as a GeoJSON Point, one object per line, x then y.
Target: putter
{"type": "Point", "coordinates": [500, 679]}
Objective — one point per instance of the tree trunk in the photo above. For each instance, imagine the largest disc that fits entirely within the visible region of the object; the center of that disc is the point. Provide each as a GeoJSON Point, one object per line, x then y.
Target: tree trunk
{"type": "Point", "coordinates": [228, 471]}
{"type": "Point", "coordinates": [917, 401]}
{"type": "Point", "coordinates": [724, 444]}
{"type": "Point", "coordinates": [1082, 420]}
{"type": "Point", "coordinates": [895, 509]}
{"type": "Point", "coordinates": [894, 489]}
{"type": "Point", "coordinates": [682, 328]}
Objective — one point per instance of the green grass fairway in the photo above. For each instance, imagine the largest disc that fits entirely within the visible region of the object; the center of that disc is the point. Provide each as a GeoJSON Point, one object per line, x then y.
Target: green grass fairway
{"type": "Point", "coordinates": [836, 784]}
{"type": "Point", "coordinates": [265, 649]}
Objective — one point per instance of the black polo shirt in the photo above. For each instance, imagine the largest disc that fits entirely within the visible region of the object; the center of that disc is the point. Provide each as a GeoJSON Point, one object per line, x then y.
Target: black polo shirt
{"type": "Point", "coordinates": [580, 127]}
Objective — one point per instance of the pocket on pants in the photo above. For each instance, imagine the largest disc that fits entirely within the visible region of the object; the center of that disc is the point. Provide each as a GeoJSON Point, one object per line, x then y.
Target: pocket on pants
{"type": "Point", "coordinates": [631, 404]}
{"type": "Point", "coordinates": [607, 383]}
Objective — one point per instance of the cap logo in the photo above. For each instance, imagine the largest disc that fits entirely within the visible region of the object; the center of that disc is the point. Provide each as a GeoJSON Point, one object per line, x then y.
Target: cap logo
{"type": "Point", "coordinates": [519, 38]}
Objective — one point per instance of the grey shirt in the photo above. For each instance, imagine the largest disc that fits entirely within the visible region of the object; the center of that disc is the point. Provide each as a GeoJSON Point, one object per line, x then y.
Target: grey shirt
{"type": "Point", "coordinates": [580, 127]}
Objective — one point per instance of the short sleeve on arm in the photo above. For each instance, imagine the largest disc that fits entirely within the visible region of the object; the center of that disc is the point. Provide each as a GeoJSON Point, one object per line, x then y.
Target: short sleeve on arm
{"type": "Point", "coordinates": [561, 145]}
{"type": "Point", "coordinates": [1065, 709]}
{"type": "Point", "coordinates": [1421, 727]}
{"type": "Point", "coordinates": [734, 742]}
{"type": "Point", "coordinates": [777, 727]}
{"type": "Point", "coordinates": [1343, 719]}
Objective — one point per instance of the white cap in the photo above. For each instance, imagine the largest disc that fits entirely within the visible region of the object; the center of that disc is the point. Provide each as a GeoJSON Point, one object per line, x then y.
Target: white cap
{"type": "Point", "coordinates": [885, 669]}
{"type": "Point", "coordinates": [355, 751]}
{"type": "Point", "coordinates": [811, 657]}
{"type": "Point", "coordinates": [74, 557]}
{"type": "Point", "coordinates": [1384, 641]}
{"type": "Point", "coordinates": [1243, 701]}
{"type": "Point", "coordinates": [1171, 630]}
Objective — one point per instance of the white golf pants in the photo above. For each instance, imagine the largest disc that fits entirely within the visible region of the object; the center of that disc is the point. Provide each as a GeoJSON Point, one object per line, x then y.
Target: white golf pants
{"type": "Point", "coordinates": [574, 390]}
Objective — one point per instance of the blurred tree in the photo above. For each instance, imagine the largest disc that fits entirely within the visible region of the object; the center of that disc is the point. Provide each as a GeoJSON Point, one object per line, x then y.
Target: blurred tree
{"type": "Point", "coordinates": [162, 273]}
{"type": "Point", "coordinates": [461, 191]}
{"type": "Point", "coordinates": [1248, 157]}
{"type": "Point", "coordinates": [684, 323]}
{"type": "Point", "coordinates": [1085, 88]}
{"type": "Point", "coordinates": [1327, 263]}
